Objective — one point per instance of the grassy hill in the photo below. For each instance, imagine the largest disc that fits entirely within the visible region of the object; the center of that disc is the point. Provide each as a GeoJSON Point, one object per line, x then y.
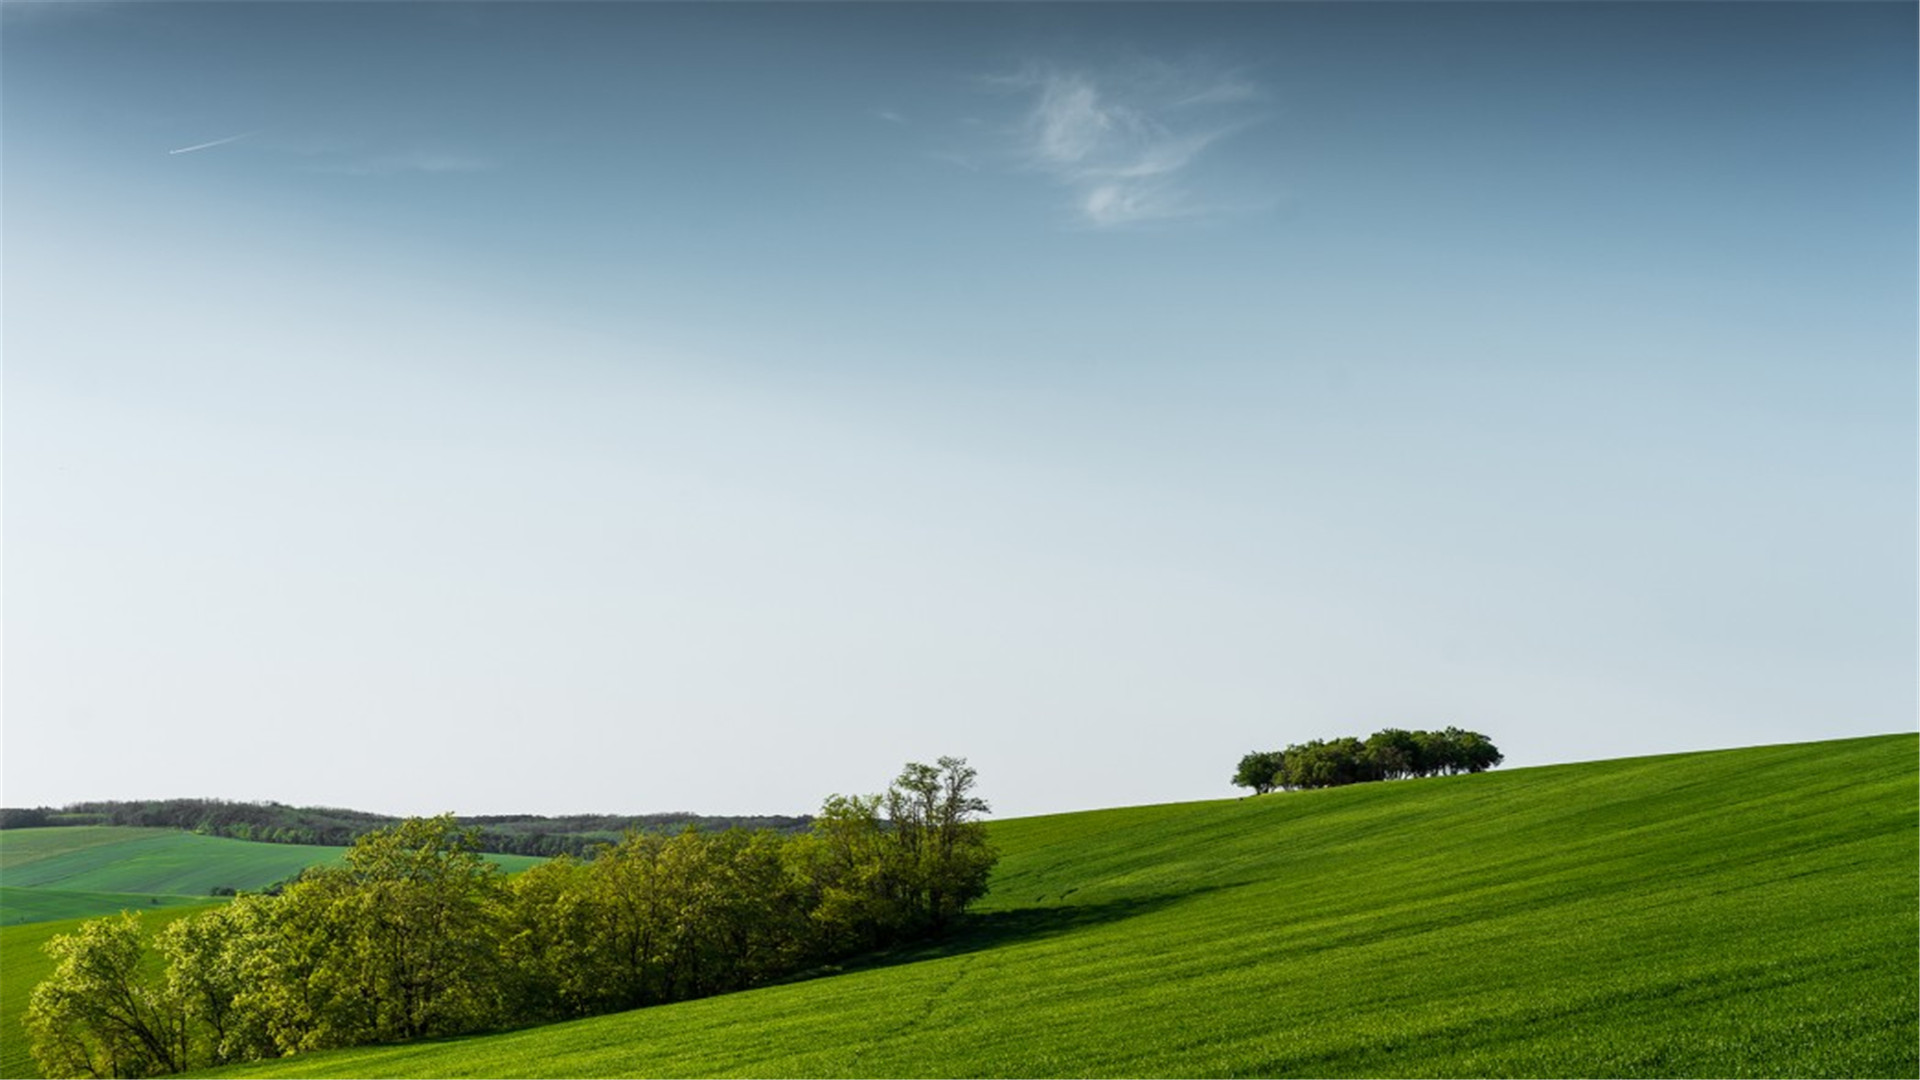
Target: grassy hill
{"type": "Point", "coordinates": [74, 871]}
{"type": "Point", "coordinates": [1738, 913]}
{"type": "Point", "coordinates": [163, 862]}
{"type": "Point", "coordinates": [19, 847]}
{"type": "Point", "coordinates": [18, 906]}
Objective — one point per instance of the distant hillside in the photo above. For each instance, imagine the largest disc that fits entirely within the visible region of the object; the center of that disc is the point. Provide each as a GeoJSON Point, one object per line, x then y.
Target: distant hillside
{"type": "Point", "coordinates": [1738, 913]}
{"type": "Point", "coordinates": [277, 823]}
{"type": "Point", "coordinates": [66, 873]}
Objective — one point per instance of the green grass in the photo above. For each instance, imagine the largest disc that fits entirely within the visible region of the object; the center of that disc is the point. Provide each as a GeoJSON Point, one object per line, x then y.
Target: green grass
{"type": "Point", "coordinates": [24, 962]}
{"type": "Point", "coordinates": [164, 862]}
{"type": "Point", "coordinates": [1738, 913]}
{"type": "Point", "coordinates": [18, 847]}
{"type": "Point", "coordinates": [43, 905]}
{"type": "Point", "coordinates": [66, 872]}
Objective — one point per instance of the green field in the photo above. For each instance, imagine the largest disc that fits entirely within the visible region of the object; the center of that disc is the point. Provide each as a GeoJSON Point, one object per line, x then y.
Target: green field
{"type": "Point", "coordinates": [68, 872]}
{"type": "Point", "coordinates": [18, 847]}
{"type": "Point", "coordinates": [19, 906]}
{"type": "Point", "coordinates": [1737, 913]}
{"type": "Point", "coordinates": [163, 862]}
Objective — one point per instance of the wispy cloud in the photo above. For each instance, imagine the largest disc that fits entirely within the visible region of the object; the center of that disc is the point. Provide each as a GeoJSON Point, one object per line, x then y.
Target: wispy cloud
{"type": "Point", "coordinates": [314, 152]}
{"type": "Point", "coordinates": [1121, 141]}
{"type": "Point", "coordinates": [210, 145]}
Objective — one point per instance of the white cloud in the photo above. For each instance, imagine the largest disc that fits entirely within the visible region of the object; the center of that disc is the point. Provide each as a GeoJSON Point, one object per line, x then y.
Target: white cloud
{"type": "Point", "coordinates": [1070, 123]}
{"type": "Point", "coordinates": [1124, 204]}
{"type": "Point", "coordinates": [1121, 141]}
{"type": "Point", "coordinates": [197, 147]}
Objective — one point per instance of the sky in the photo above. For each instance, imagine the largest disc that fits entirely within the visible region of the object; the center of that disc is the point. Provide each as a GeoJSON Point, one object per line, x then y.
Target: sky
{"type": "Point", "coordinates": [618, 407]}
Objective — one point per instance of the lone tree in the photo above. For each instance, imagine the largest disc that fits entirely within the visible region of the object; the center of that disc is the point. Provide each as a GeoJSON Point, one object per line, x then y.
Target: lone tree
{"type": "Point", "coordinates": [1261, 770]}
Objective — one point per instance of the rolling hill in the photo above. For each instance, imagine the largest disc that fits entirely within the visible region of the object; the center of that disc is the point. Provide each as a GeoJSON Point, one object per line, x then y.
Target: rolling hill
{"type": "Point", "coordinates": [73, 871]}
{"type": "Point", "coordinates": [1735, 913]}
{"type": "Point", "coordinates": [164, 862]}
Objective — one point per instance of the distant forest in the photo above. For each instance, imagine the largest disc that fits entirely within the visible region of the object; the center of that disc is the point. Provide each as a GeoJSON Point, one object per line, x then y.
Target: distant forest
{"type": "Point", "coordinates": [277, 823]}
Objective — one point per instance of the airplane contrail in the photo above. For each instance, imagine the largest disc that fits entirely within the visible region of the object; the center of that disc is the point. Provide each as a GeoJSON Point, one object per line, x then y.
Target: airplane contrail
{"type": "Point", "coordinates": [208, 145]}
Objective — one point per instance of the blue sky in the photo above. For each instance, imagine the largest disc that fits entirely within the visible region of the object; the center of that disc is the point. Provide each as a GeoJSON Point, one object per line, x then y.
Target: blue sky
{"type": "Point", "coordinates": [635, 407]}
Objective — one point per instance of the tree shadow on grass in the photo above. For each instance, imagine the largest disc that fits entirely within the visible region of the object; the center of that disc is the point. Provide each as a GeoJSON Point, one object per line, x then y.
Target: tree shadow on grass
{"type": "Point", "coordinates": [974, 932]}
{"type": "Point", "coordinates": [979, 931]}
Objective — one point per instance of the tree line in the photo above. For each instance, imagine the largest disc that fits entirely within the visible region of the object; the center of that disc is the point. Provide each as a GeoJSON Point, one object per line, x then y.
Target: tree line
{"type": "Point", "coordinates": [1392, 754]}
{"type": "Point", "coordinates": [417, 935]}
{"type": "Point", "coordinates": [276, 823]}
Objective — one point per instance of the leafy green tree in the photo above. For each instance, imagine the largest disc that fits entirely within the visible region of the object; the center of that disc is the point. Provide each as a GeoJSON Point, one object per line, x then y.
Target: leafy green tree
{"type": "Point", "coordinates": [654, 919]}
{"type": "Point", "coordinates": [634, 904]}
{"type": "Point", "coordinates": [289, 1001]}
{"type": "Point", "coordinates": [756, 927]}
{"type": "Point", "coordinates": [686, 887]}
{"type": "Point", "coordinates": [401, 942]}
{"type": "Point", "coordinates": [843, 865]}
{"type": "Point", "coordinates": [96, 1015]}
{"type": "Point", "coordinates": [420, 938]}
{"type": "Point", "coordinates": [1436, 756]}
{"type": "Point", "coordinates": [1316, 763]}
{"type": "Point", "coordinates": [207, 975]}
{"type": "Point", "coordinates": [549, 935]}
{"type": "Point", "coordinates": [1261, 770]}
{"type": "Point", "coordinates": [1483, 755]}
{"type": "Point", "coordinates": [1393, 754]}
{"type": "Point", "coordinates": [940, 846]}
{"type": "Point", "coordinates": [1470, 751]}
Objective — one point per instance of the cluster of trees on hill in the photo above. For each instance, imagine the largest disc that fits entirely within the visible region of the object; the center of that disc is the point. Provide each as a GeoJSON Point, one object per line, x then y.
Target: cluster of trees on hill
{"type": "Point", "coordinates": [417, 935]}
{"type": "Point", "coordinates": [271, 822]}
{"type": "Point", "coordinates": [1392, 754]}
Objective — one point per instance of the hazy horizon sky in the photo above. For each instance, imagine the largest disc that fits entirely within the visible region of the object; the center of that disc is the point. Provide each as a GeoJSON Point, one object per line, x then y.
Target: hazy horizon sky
{"type": "Point", "coordinates": [644, 407]}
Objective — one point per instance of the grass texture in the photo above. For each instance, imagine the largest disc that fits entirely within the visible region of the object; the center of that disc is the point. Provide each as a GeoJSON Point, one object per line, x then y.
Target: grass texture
{"type": "Point", "coordinates": [164, 862]}
{"type": "Point", "coordinates": [19, 847]}
{"type": "Point", "coordinates": [19, 906]}
{"type": "Point", "coordinates": [1735, 913]}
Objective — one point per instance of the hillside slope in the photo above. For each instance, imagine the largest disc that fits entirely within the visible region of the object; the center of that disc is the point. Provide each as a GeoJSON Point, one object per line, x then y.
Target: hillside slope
{"type": "Point", "coordinates": [165, 862]}
{"type": "Point", "coordinates": [20, 906]}
{"type": "Point", "coordinates": [1737, 913]}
